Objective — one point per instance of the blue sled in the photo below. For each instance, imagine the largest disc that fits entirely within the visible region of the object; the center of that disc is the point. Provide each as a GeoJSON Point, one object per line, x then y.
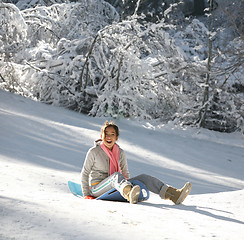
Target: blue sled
{"type": "Point", "coordinates": [112, 195]}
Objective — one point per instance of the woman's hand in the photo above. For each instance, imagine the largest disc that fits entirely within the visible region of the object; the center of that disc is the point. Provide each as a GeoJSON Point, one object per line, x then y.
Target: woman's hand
{"type": "Point", "coordinates": [89, 197]}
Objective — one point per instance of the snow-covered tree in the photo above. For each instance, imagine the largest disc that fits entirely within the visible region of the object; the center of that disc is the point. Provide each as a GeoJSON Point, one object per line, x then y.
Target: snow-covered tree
{"type": "Point", "coordinates": [13, 38]}
{"type": "Point", "coordinates": [82, 55]}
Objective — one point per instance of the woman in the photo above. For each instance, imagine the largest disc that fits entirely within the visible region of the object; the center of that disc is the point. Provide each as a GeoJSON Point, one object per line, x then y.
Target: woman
{"type": "Point", "coordinates": [105, 168]}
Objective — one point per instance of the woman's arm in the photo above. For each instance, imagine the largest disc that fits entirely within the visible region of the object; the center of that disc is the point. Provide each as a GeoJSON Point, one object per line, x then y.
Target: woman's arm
{"type": "Point", "coordinates": [87, 167]}
{"type": "Point", "coordinates": [123, 164]}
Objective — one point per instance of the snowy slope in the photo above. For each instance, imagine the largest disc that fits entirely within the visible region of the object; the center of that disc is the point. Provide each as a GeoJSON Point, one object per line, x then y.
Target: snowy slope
{"type": "Point", "coordinates": [42, 147]}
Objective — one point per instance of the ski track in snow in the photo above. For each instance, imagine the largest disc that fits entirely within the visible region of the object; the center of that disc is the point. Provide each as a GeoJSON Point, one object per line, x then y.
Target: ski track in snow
{"type": "Point", "coordinates": [42, 147]}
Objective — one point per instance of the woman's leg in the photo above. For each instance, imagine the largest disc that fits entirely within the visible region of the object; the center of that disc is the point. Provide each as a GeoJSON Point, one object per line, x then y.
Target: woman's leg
{"type": "Point", "coordinates": [153, 184]}
{"type": "Point", "coordinates": [163, 190]}
{"type": "Point", "coordinates": [116, 180]}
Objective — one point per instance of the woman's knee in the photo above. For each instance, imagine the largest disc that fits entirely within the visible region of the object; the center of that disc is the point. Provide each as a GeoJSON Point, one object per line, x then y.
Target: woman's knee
{"type": "Point", "coordinates": [117, 177]}
{"type": "Point", "coordinates": [116, 174]}
{"type": "Point", "coordinates": [141, 176]}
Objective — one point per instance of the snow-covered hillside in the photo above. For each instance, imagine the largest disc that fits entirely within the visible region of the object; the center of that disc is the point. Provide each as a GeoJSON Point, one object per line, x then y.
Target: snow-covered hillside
{"type": "Point", "coordinates": [42, 147]}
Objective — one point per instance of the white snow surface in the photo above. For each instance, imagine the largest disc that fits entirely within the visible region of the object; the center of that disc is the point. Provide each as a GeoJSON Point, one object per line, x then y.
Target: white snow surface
{"type": "Point", "coordinates": [42, 147]}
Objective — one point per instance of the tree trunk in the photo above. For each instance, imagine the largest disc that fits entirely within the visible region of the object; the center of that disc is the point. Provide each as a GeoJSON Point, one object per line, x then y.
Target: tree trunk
{"type": "Point", "coordinates": [205, 103]}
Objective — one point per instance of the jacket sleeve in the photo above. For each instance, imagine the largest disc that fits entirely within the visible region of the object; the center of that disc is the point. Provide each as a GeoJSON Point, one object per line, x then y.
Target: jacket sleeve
{"type": "Point", "coordinates": [123, 164]}
{"type": "Point", "coordinates": [85, 172]}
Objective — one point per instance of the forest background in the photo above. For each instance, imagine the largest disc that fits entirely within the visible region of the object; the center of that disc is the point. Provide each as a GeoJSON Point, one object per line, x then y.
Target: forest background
{"type": "Point", "coordinates": [164, 61]}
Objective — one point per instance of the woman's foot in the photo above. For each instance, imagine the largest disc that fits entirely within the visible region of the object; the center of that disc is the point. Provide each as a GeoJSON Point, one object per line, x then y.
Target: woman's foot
{"type": "Point", "coordinates": [176, 195]}
{"type": "Point", "coordinates": [131, 193]}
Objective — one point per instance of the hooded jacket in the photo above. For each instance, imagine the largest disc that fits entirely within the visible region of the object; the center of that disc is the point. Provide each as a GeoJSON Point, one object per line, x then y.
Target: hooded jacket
{"type": "Point", "coordinates": [96, 167]}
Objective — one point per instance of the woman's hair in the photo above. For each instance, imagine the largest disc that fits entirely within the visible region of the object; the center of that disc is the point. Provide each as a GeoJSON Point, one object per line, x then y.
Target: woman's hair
{"type": "Point", "coordinates": [110, 124]}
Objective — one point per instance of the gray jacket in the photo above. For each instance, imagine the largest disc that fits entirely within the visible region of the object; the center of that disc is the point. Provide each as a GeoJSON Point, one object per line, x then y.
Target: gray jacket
{"type": "Point", "coordinates": [96, 167]}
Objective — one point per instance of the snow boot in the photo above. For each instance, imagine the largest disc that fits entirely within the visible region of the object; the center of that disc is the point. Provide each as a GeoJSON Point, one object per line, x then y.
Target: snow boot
{"type": "Point", "coordinates": [177, 196]}
{"type": "Point", "coordinates": [131, 193]}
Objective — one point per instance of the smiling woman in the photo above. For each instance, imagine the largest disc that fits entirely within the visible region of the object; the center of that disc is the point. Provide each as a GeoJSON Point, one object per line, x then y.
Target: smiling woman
{"type": "Point", "coordinates": [106, 168]}
{"type": "Point", "coordinates": [109, 134]}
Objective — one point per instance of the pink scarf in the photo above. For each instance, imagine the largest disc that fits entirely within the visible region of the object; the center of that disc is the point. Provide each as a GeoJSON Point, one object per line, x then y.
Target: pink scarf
{"type": "Point", "coordinates": [113, 156]}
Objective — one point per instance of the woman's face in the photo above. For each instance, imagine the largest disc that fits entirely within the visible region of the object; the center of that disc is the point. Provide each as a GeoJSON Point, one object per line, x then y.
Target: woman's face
{"type": "Point", "coordinates": [109, 137]}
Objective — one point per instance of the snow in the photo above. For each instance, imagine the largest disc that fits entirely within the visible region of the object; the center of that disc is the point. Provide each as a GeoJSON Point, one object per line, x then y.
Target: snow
{"type": "Point", "coordinates": [42, 147]}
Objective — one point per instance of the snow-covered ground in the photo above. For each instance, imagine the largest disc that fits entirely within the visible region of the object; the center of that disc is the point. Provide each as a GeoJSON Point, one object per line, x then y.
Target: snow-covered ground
{"type": "Point", "coordinates": [42, 147]}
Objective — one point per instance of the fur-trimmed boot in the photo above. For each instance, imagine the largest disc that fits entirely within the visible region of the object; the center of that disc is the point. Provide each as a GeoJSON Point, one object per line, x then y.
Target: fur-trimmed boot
{"type": "Point", "coordinates": [174, 194]}
{"type": "Point", "coordinates": [131, 193]}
